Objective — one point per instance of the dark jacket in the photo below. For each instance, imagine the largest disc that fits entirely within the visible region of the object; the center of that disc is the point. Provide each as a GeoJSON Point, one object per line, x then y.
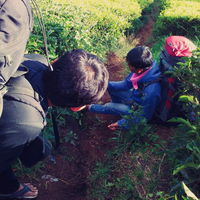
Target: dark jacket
{"type": "Point", "coordinates": [36, 65]}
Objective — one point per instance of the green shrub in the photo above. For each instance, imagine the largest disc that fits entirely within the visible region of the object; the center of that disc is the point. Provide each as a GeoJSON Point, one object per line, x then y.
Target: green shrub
{"type": "Point", "coordinates": [186, 146]}
{"type": "Point", "coordinates": [94, 26]}
{"type": "Point", "coordinates": [165, 2]}
{"type": "Point", "coordinates": [145, 3]}
{"type": "Point", "coordinates": [179, 18]}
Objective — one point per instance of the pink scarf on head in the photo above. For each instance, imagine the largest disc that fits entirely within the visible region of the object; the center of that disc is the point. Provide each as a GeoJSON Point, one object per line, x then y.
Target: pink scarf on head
{"type": "Point", "coordinates": [136, 77]}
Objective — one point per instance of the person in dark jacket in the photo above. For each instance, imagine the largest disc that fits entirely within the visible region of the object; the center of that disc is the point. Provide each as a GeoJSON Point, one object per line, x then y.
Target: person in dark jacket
{"type": "Point", "coordinates": [124, 94]}
{"type": "Point", "coordinates": [78, 78]}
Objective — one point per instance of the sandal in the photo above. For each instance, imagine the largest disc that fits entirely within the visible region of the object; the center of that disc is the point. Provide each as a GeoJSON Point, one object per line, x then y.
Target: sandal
{"type": "Point", "coordinates": [19, 194]}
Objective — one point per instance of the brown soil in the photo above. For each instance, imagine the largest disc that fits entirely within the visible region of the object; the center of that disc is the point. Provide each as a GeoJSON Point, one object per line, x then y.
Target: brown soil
{"type": "Point", "coordinates": [75, 161]}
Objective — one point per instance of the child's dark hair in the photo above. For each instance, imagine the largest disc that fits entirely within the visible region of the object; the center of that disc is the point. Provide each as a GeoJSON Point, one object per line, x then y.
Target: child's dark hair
{"type": "Point", "coordinates": [78, 78]}
{"type": "Point", "coordinates": [140, 57]}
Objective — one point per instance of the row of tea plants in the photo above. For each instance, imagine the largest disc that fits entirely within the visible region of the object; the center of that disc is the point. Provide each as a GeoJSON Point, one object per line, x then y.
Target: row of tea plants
{"type": "Point", "coordinates": [79, 24]}
{"type": "Point", "coordinates": [178, 18]}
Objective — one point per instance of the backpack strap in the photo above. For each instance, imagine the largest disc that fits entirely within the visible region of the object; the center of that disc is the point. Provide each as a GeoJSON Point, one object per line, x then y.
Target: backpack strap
{"type": "Point", "coordinates": [141, 89]}
{"type": "Point", "coordinates": [144, 85]}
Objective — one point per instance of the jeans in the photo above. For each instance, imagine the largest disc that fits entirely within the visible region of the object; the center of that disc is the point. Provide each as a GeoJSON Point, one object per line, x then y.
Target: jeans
{"type": "Point", "coordinates": [116, 107]}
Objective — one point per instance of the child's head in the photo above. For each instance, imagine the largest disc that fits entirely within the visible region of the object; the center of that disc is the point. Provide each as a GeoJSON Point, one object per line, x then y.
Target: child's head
{"type": "Point", "coordinates": [140, 57]}
{"type": "Point", "coordinates": [79, 78]}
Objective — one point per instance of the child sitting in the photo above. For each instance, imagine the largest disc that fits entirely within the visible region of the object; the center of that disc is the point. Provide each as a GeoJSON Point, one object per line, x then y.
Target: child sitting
{"type": "Point", "coordinates": [126, 94]}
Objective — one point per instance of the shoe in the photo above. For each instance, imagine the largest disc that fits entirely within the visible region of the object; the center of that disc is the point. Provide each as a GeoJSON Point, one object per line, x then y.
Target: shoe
{"type": "Point", "coordinates": [19, 194]}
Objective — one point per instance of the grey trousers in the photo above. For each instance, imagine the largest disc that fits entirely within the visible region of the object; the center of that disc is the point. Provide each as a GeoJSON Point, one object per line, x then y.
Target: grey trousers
{"type": "Point", "coordinates": [19, 125]}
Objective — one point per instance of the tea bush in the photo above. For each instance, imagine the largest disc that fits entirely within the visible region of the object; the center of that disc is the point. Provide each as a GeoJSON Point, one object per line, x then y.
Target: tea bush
{"type": "Point", "coordinates": [94, 26]}
{"type": "Point", "coordinates": [179, 18]}
{"type": "Point", "coordinates": [144, 4]}
{"type": "Point", "coordinates": [185, 150]}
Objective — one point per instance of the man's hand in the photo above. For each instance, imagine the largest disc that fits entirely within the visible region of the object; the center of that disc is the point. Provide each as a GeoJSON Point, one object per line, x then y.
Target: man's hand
{"type": "Point", "coordinates": [113, 126]}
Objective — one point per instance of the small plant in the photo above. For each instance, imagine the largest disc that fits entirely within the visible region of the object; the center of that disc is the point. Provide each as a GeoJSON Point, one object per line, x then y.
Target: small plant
{"type": "Point", "coordinates": [71, 137]}
{"type": "Point", "coordinates": [21, 171]}
{"type": "Point", "coordinates": [164, 196]}
{"type": "Point", "coordinates": [107, 182]}
{"type": "Point", "coordinates": [138, 129]}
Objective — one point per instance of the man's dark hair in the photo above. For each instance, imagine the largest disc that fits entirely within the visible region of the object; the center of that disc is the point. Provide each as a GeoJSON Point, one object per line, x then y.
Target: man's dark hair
{"type": "Point", "coordinates": [78, 78]}
{"type": "Point", "coordinates": [140, 57]}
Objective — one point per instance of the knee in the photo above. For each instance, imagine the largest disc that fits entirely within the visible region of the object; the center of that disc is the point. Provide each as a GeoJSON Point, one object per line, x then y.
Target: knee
{"type": "Point", "coordinates": [108, 105]}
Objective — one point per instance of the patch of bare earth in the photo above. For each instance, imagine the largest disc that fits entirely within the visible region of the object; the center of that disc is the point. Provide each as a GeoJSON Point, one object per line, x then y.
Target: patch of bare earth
{"type": "Point", "coordinates": [74, 161]}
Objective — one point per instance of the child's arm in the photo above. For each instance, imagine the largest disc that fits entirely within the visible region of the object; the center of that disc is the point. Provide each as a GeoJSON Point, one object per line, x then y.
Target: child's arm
{"type": "Point", "coordinates": [126, 84]}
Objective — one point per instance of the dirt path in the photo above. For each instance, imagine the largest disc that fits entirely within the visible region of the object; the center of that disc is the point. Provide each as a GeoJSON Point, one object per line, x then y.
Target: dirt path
{"type": "Point", "coordinates": [75, 158]}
